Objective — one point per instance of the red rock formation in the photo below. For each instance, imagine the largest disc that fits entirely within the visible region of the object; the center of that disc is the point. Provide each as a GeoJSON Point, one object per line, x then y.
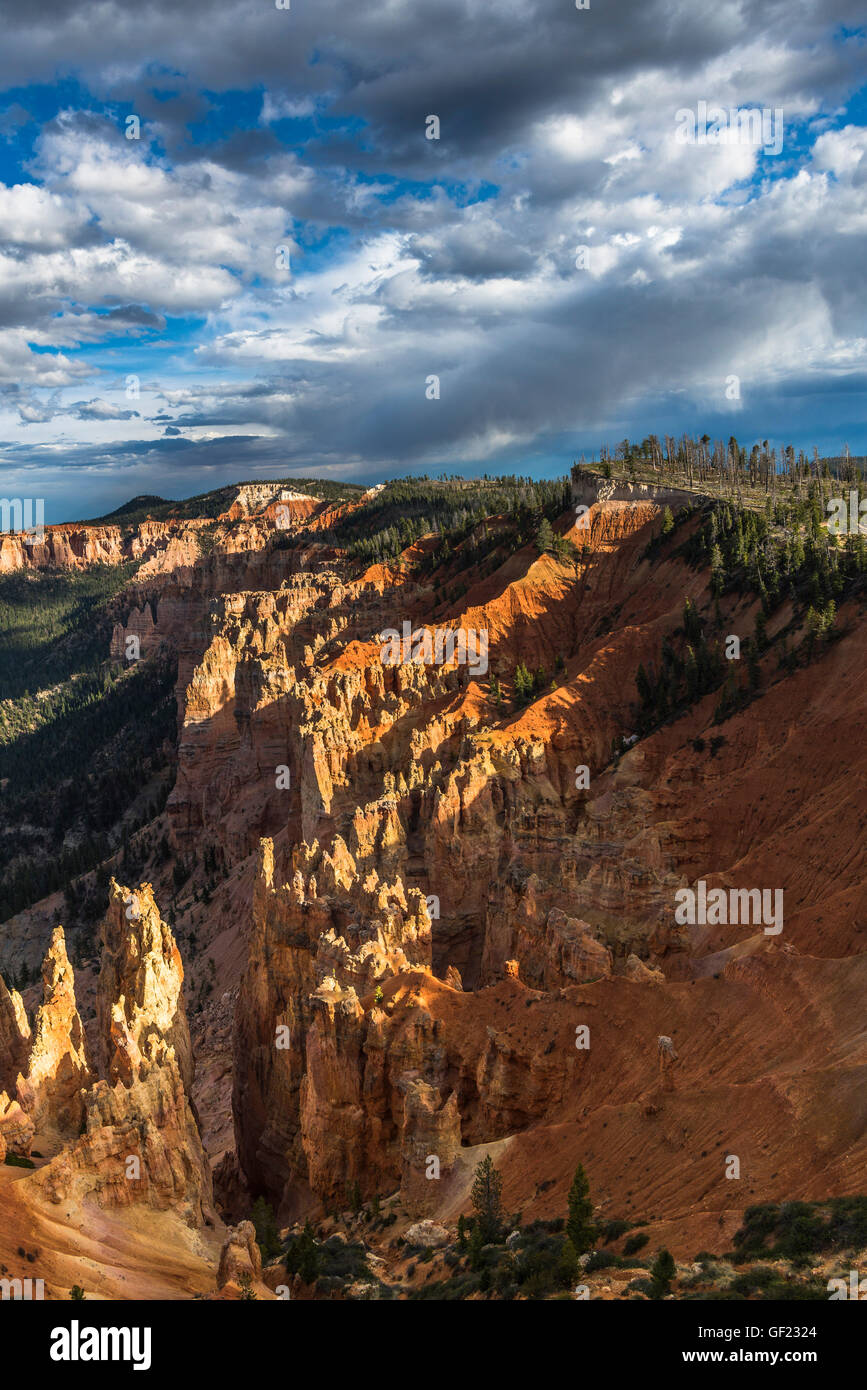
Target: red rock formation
{"type": "Point", "coordinates": [15, 1038]}
{"type": "Point", "coordinates": [429, 1144]}
{"type": "Point", "coordinates": [239, 1256]}
{"type": "Point", "coordinates": [140, 992]}
{"type": "Point", "coordinates": [140, 1145]}
{"type": "Point", "coordinates": [137, 1138]}
{"type": "Point", "coordinates": [52, 1091]}
{"type": "Point", "coordinates": [305, 1100]}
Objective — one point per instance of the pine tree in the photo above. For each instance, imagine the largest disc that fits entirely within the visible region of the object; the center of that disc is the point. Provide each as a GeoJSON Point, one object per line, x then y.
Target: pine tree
{"type": "Point", "coordinates": [267, 1235]}
{"type": "Point", "coordinates": [544, 536]}
{"type": "Point", "coordinates": [645, 690]}
{"type": "Point", "coordinates": [717, 572]}
{"type": "Point", "coordinates": [579, 1223]}
{"type": "Point", "coordinates": [691, 621]}
{"type": "Point", "coordinates": [667, 522]}
{"type": "Point", "coordinates": [523, 684]}
{"type": "Point", "coordinates": [691, 675]}
{"type": "Point", "coordinates": [487, 1201]}
{"type": "Point", "coordinates": [662, 1271]}
{"type": "Point", "coordinates": [303, 1258]}
{"type": "Point", "coordinates": [477, 1240]}
{"type": "Point", "coordinates": [568, 1266]}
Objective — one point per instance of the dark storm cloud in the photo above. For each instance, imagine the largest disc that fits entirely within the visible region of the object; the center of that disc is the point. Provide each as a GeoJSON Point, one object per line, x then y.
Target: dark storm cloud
{"type": "Point", "coordinates": [487, 70]}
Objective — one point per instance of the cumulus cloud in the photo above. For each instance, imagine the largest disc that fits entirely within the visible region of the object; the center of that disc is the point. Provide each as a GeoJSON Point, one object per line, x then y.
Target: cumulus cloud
{"type": "Point", "coordinates": [568, 267]}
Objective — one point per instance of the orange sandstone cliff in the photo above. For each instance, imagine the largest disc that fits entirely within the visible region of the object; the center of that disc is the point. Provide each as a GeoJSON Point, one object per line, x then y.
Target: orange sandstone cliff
{"type": "Point", "coordinates": [403, 902]}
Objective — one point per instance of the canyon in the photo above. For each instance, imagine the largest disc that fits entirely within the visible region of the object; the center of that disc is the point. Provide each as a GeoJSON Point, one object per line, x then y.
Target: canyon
{"type": "Point", "coordinates": [379, 904]}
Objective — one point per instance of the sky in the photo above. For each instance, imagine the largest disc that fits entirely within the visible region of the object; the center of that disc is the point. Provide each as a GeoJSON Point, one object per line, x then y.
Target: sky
{"type": "Point", "coordinates": [230, 250]}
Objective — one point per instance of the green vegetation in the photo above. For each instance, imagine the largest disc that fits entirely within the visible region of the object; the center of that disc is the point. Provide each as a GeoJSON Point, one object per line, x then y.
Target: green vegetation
{"type": "Point", "coordinates": [527, 684]}
{"type": "Point", "coordinates": [83, 745]}
{"type": "Point", "coordinates": [96, 755]}
{"type": "Point", "coordinates": [53, 626]}
{"type": "Point", "coordinates": [18, 1161]}
{"type": "Point", "coordinates": [212, 504]}
{"type": "Point", "coordinates": [487, 1201]}
{"type": "Point", "coordinates": [332, 1264]}
{"type": "Point", "coordinates": [580, 1227]}
{"type": "Point", "coordinates": [267, 1234]}
{"type": "Point", "coordinates": [724, 469]}
{"type": "Point", "coordinates": [479, 515]}
{"type": "Point", "coordinates": [662, 1271]}
{"type": "Point", "coordinates": [302, 1255]}
{"type": "Point", "coordinates": [790, 1230]}
{"type": "Point", "coordinates": [635, 1243]}
{"type": "Point", "coordinates": [783, 555]}
{"type": "Point", "coordinates": [545, 536]}
{"type": "Point", "coordinates": [538, 1262]}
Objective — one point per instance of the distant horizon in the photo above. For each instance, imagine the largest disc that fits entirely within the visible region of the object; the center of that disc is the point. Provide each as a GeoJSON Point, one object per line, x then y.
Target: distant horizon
{"type": "Point", "coordinates": [97, 514]}
{"type": "Point", "coordinates": [286, 480]}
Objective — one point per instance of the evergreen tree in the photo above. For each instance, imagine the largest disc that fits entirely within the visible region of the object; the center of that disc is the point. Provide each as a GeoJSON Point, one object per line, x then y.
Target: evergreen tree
{"type": "Point", "coordinates": [717, 572]}
{"type": "Point", "coordinates": [645, 690]}
{"type": "Point", "coordinates": [267, 1235]}
{"type": "Point", "coordinates": [544, 536]}
{"type": "Point", "coordinates": [477, 1240]}
{"type": "Point", "coordinates": [523, 684]}
{"type": "Point", "coordinates": [568, 1266]}
{"type": "Point", "coordinates": [667, 522]}
{"type": "Point", "coordinates": [579, 1223]}
{"type": "Point", "coordinates": [487, 1201]}
{"type": "Point", "coordinates": [302, 1255]}
{"type": "Point", "coordinates": [662, 1271]}
{"type": "Point", "coordinates": [691, 621]}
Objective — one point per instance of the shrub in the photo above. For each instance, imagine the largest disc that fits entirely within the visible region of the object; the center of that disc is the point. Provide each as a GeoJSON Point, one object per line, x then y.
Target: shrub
{"type": "Point", "coordinates": [613, 1230]}
{"type": "Point", "coordinates": [600, 1259]}
{"type": "Point", "coordinates": [635, 1243]}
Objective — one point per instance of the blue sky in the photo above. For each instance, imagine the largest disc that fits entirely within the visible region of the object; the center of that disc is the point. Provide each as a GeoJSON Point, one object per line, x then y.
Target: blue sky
{"type": "Point", "coordinates": [265, 280]}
